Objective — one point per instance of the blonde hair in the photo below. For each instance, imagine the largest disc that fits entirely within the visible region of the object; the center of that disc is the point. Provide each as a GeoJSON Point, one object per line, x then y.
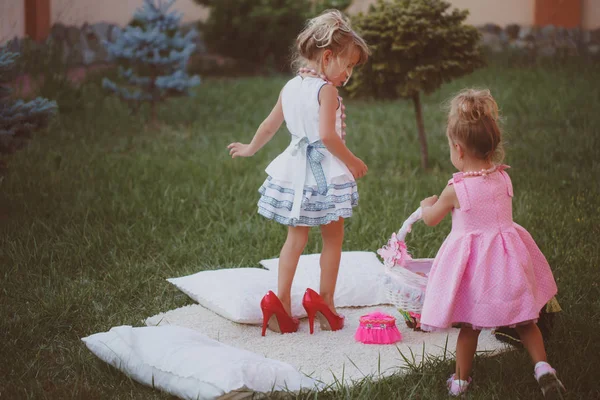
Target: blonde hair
{"type": "Point", "coordinates": [330, 30]}
{"type": "Point", "coordinates": [473, 119]}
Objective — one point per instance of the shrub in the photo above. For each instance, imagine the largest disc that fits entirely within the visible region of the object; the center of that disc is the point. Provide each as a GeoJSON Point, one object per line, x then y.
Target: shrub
{"type": "Point", "coordinates": [259, 33]}
{"type": "Point", "coordinates": [417, 45]}
{"type": "Point", "coordinates": [18, 119]}
{"type": "Point", "coordinates": [46, 66]}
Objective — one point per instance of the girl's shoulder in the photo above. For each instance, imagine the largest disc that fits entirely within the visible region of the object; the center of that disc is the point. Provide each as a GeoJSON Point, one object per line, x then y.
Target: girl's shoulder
{"type": "Point", "coordinates": [306, 90]}
{"type": "Point", "coordinates": [463, 185]}
{"type": "Point", "coordinates": [459, 177]}
{"type": "Point", "coordinates": [291, 82]}
{"type": "Point", "coordinates": [305, 80]}
{"type": "Point", "coordinates": [303, 85]}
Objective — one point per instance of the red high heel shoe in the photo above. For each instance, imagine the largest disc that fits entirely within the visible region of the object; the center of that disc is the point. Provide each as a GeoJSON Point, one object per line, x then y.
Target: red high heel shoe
{"type": "Point", "coordinates": [315, 306]}
{"type": "Point", "coordinates": [275, 316]}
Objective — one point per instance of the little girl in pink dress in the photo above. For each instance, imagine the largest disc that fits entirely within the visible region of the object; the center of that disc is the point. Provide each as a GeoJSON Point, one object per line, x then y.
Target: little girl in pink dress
{"type": "Point", "coordinates": [489, 271]}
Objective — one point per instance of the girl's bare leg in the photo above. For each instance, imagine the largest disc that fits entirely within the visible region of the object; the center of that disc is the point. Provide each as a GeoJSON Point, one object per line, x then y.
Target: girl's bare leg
{"type": "Point", "coordinates": [288, 261]}
{"type": "Point", "coordinates": [333, 237]}
{"type": "Point", "coordinates": [466, 345]}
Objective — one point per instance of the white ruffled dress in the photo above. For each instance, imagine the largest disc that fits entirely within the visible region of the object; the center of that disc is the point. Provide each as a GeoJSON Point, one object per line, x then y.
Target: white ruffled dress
{"type": "Point", "coordinates": [306, 184]}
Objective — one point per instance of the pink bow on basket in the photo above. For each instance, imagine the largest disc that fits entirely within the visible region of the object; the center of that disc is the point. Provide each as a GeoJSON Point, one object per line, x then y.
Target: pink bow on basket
{"type": "Point", "coordinates": [395, 253]}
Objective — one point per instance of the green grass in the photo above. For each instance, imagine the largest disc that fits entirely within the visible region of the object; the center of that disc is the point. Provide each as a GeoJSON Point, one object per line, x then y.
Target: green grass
{"type": "Point", "coordinates": [97, 212]}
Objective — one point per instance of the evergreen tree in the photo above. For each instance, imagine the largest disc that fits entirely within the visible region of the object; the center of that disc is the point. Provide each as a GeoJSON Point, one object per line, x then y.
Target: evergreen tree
{"type": "Point", "coordinates": [153, 53]}
{"type": "Point", "coordinates": [19, 119]}
{"type": "Point", "coordinates": [417, 46]}
{"type": "Point", "coordinates": [260, 33]}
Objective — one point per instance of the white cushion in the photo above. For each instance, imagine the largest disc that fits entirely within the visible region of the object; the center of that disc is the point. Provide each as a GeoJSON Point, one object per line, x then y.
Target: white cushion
{"type": "Point", "coordinates": [350, 259]}
{"type": "Point", "coordinates": [187, 364]}
{"type": "Point", "coordinates": [235, 293]}
{"type": "Point", "coordinates": [360, 279]}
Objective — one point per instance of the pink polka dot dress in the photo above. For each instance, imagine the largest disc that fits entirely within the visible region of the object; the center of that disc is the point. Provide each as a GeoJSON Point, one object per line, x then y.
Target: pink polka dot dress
{"type": "Point", "coordinates": [489, 271]}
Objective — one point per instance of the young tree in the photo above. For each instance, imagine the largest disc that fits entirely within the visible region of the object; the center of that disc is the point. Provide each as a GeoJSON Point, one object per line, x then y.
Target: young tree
{"type": "Point", "coordinates": [417, 46]}
{"type": "Point", "coordinates": [153, 53]}
{"type": "Point", "coordinates": [19, 119]}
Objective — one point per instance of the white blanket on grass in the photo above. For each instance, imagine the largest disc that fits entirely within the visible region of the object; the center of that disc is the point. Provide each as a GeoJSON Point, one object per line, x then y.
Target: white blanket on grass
{"type": "Point", "coordinates": [327, 357]}
{"type": "Point", "coordinates": [181, 357]}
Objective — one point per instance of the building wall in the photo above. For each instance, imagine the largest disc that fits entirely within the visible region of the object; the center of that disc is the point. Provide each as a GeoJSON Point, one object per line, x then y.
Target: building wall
{"type": "Point", "coordinates": [498, 12]}
{"type": "Point", "coordinates": [481, 12]}
{"type": "Point", "coordinates": [591, 14]}
{"type": "Point", "coordinates": [12, 19]}
{"type": "Point", "coordinates": [76, 12]}
{"type": "Point", "coordinates": [506, 12]}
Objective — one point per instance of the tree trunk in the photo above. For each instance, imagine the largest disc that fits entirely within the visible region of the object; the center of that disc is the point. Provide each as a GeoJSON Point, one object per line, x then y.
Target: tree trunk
{"type": "Point", "coordinates": [421, 127]}
{"type": "Point", "coordinates": [152, 91]}
{"type": "Point", "coordinates": [153, 114]}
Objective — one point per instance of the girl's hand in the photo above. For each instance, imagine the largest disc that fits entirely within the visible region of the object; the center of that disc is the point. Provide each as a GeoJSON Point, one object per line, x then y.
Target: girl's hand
{"type": "Point", "coordinates": [358, 168]}
{"type": "Point", "coordinates": [240, 150]}
{"type": "Point", "coordinates": [428, 202]}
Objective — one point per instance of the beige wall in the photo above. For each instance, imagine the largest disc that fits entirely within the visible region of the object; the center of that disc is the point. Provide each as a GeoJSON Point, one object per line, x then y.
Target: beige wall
{"type": "Point", "coordinates": [12, 19]}
{"type": "Point", "coordinates": [76, 12]}
{"type": "Point", "coordinates": [505, 12]}
{"type": "Point", "coordinates": [501, 12]}
{"type": "Point", "coordinates": [591, 14]}
{"type": "Point", "coordinates": [119, 11]}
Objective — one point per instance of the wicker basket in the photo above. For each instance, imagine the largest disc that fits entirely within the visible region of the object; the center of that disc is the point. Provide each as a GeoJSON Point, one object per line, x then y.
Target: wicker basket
{"type": "Point", "coordinates": [406, 277]}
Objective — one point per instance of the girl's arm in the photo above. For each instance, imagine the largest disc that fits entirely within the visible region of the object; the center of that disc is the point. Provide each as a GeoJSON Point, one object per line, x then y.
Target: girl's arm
{"type": "Point", "coordinates": [328, 97]}
{"type": "Point", "coordinates": [263, 135]}
{"type": "Point", "coordinates": [434, 210]}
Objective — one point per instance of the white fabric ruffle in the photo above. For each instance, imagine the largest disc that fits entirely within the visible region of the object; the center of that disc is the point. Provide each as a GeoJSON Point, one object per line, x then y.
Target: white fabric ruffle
{"type": "Point", "coordinates": [277, 198]}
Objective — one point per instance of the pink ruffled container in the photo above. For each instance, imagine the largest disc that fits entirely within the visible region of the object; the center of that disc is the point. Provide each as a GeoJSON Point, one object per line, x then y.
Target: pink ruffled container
{"type": "Point", "coordinates": [377, 328]}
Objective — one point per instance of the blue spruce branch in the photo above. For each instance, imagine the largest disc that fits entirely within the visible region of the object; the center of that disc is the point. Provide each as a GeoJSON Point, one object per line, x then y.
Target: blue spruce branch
{"type": "Point", "coordinates": [153, 53]}
{"type": "Point", "coordinates": [20, 118]}
{"type": "Point", "coordinates": [133, 79]}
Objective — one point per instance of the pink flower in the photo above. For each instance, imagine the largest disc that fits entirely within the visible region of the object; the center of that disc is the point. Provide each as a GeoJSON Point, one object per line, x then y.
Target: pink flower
{"type": "Point", "coordinates": [414, 315]}
{"type": "Point", "coordinates": [395, 252]}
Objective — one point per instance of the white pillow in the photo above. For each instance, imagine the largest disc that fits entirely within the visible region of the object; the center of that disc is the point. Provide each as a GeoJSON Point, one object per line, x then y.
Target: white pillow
{"type": "Point", "coordinates": [187, 364]}
{"type": "Point", "coordinates": [350, 259]}
{"type": "Point", "coordinates": [236, 293]}
{"type": "Point", "coordinates": [360, 279]}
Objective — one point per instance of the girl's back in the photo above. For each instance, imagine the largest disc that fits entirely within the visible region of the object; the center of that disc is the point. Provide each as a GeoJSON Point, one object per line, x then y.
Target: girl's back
{"type": "Point", "coordinates": [485, 202]}
{"type": "Point", "coordinates": [300, 102]}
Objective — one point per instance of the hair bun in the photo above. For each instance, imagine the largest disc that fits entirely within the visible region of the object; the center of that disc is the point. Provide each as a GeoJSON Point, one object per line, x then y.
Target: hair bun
{"type": "Point", "coordinates": [471, 105]}
{"type": "Point", "coordinates": [473, 122]}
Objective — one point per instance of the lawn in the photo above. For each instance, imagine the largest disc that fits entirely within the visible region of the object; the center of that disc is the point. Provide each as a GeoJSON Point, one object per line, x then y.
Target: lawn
{"type": "Point", "coordinates": [98, 211]}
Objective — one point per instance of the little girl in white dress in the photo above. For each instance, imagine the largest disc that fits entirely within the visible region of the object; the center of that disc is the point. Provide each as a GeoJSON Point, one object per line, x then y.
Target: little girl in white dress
{"type": "Point", "coordinates": [306, 184]}
{"type": "Point", "coordinates": [312, 183]}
